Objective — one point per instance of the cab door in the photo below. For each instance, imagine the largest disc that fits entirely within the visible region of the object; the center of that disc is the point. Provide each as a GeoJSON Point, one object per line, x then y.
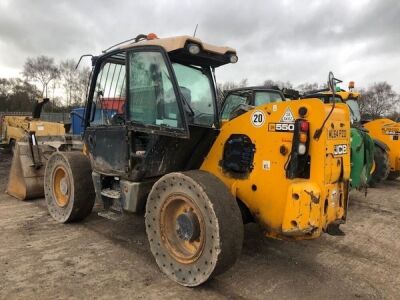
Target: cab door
{"type": "Point", "coordinates": [154, 99]}
{"type": "Point", "coordinates": [106, 134]}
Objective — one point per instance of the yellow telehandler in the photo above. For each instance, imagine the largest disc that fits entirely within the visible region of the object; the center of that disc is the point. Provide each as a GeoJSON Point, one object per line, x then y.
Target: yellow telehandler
{"type": "Point", "coordinates": [284, 165]}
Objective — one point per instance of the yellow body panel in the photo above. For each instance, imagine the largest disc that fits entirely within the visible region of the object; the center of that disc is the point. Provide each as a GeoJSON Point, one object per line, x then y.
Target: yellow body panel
{"type": "Point", "coordinates": [15, 128]}
{"type": "Point", "coordinates": [294, 208]}
{"type": "Point", "coordinates": [388, 132]}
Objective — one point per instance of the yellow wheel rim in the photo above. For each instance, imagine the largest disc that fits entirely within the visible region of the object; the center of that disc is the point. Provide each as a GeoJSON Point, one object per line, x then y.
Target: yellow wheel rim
{"type": "Point", "coordinates": [183, 244]}
{"type": "Point", "coordinates": [373, 167]}
{"type": "Point", "coordinates": [61, 186]}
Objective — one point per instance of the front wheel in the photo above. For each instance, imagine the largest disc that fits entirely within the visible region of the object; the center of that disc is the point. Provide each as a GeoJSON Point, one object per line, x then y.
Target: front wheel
{"type": "Point", "coordinates": [68, 186]}
{"type": "Point", "coordinates": [194, 226]}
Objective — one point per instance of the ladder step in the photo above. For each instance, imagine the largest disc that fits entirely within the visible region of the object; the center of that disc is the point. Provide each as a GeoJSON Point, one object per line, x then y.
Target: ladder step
{"type": "Point", "coordinates": [110, 193]}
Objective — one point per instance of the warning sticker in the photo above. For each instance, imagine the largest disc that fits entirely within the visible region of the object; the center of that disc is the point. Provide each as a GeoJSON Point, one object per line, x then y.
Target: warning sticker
{"type": "Point", "coordinates": [287, 116]}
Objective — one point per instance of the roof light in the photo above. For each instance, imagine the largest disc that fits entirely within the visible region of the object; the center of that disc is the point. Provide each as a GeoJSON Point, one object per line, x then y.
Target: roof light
{"type": "Point", "coordinates": [193, 48]}
{"type": "Point", "coordinates": [233, 58]}
{"type": "Point", "coordinates": [351, 85]}
{"type": "Point", "coordinates": [152, 36]}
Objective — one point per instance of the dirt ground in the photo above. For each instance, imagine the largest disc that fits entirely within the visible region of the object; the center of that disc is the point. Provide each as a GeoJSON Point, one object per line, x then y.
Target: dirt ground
{"type": "Point", "coordinates": [98, 258]}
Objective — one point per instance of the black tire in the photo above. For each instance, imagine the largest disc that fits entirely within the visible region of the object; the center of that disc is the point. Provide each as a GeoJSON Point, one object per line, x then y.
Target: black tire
{"type": "Point", "coordinates": [382, 167]}
{"type": "Point", "coordinates": [11, 146]}
{"type": "Point", "coordinates": [76, 201]}
{"type": "Point", "coordinates": [394, 175]}
{"type": "Point", "coordinates": [220, 226]}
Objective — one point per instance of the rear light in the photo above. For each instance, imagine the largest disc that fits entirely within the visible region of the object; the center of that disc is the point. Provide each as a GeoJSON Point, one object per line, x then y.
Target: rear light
{"type": "Point", "coordinates": [302, 149]}
{"type": "Point", "coordinates": [303, 137]}
{"type": "Point", "coordinates": [298, 165]}
{"type": "Point", "coordinates": [304, 125]}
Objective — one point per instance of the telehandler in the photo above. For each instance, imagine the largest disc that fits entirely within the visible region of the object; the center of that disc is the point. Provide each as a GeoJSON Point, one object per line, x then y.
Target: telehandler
{"type": "Point", "coordinates": [197, 182]}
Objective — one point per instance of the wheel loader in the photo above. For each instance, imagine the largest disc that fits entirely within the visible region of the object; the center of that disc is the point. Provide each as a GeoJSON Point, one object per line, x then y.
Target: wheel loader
{"type": "Point", "coordinates": [16, 128]}
{"type": "Point", "coordinates": [197, 182]}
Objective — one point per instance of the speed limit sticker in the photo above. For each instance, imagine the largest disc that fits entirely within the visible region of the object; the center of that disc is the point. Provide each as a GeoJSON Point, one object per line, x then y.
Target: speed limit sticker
{"type": "Point", "coordinates": [257, 118]}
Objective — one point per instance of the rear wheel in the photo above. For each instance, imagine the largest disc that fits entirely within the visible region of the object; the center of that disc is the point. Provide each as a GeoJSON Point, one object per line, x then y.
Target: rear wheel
{"type": "Point", "coordinates": [68, 186]}
{"type": "Point", "coordinates": [382, 167]}
{"type": "Point", "coordinates": [194, 226]}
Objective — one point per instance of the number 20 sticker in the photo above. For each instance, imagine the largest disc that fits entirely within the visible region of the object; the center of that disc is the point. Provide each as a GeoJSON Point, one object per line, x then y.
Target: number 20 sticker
{"type": "Point", "coordinates": [257, 118]}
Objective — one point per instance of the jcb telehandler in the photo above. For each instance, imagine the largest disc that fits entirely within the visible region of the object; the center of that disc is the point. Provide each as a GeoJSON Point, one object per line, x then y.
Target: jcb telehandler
{"type": "Point", "coordinates": [167, 154]}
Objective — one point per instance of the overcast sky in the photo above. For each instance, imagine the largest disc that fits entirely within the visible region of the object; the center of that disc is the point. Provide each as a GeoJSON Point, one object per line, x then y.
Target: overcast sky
{"type": "Point", "coordinates": [287, 40]}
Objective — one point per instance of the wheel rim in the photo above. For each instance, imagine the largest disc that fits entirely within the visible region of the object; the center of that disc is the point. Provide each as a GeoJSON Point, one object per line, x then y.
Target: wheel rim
{"type": "Point", "coordinates": [182, 228]}
{"type": "Point", "coordinates": [373, 168]}
{"type": "Point", "coordinates": [61, 186]}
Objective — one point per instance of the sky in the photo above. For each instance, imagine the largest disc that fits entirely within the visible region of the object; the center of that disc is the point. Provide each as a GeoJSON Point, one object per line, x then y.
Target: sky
{"type": "Point", "coordinates": [286, 40]}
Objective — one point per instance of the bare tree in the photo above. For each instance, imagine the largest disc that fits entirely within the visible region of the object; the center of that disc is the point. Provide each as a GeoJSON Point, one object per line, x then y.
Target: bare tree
{"type": "Point", "coordinates": [308, 87]}
{"type": "Point", "coordinates": [83, 84]}
{"type": "Point", "coordinates": [40, 70]}
{"type": "Point", "coordinates": [272, 84]}
{"type": "Point", "coordinates": [74, 81]}
{"type": "Point", "coordinates": [378, 100]}
{"type": "Point", "coordinates": [69, 79]}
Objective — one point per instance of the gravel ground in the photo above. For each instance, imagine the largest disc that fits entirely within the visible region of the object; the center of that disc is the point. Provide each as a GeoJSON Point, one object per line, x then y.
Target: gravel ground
{"type": "Point", "coordinates": [98, 258]}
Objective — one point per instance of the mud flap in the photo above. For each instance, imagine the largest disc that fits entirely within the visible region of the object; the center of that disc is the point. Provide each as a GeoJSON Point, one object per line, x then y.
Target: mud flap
{"type": "Point", "coordinates": [26, 179]}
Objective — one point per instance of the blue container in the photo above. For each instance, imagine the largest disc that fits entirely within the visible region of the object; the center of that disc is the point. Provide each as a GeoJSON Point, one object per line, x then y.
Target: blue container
{"type": "Point", "coordinates": [78, 114]}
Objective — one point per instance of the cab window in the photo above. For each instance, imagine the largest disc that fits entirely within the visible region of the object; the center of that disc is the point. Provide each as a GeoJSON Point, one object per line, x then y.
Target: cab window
{"type": "Point", "coordinates": [197, 91]}
{"type": "Point", "coordinates": [152, 98]}
{"type": "Point", "coordinates": [231, 102]}
{"type": "Point", "coordinates": [109, 94]}
{"type": "Point", "coordinates": [267, 97]}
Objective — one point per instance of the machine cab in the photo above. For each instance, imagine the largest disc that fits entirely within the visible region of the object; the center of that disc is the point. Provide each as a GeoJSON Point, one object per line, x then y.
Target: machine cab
{"type": "Point", "coordinates": [152, 95]}
{"type": "Point", "coordinates": [252, 96]}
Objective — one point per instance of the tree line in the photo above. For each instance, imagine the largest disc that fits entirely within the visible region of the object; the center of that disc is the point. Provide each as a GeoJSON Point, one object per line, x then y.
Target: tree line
{"type": "Point", "coordinates": [43, 77]}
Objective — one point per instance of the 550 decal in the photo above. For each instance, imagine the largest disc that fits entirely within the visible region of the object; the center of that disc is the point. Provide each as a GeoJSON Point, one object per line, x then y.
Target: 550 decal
{"type": "Point", "coordinates": [281, 127]}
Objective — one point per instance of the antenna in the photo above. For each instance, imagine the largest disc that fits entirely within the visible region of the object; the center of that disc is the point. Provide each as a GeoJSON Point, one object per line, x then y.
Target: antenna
{"type": "Point", "coordinates": [195, 30]}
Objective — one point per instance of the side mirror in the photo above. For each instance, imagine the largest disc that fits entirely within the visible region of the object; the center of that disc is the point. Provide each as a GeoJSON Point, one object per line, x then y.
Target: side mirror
{"type": "Point", "coordinates": [332, 81]}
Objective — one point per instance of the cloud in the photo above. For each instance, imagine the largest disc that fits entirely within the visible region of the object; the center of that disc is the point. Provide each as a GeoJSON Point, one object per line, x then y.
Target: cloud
{"type": "Point", "coordinates": [290, 40]}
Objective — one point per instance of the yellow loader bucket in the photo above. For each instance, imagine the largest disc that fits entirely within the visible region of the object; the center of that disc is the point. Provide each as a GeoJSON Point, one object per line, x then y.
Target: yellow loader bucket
{"type": "Point", "coordinates": [26, 178]}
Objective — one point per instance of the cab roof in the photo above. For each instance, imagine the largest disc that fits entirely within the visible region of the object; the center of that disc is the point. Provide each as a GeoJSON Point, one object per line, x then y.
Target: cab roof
{"type": "Point", "coordinates": [178, 42]}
